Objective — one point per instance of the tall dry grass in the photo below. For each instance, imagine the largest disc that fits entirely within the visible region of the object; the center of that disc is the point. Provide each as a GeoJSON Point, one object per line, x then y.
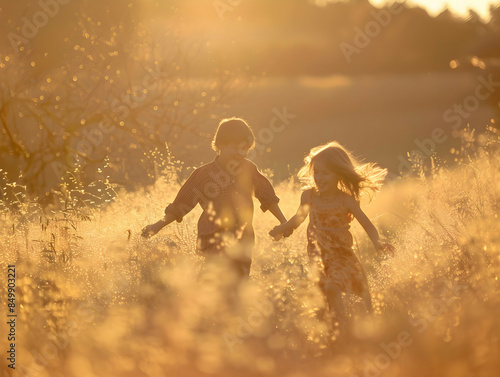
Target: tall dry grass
{"type": "Point", "coordinates": [95, 299]}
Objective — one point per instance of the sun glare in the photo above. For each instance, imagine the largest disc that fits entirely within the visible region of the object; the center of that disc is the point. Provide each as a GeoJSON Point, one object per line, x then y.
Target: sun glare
{"type": "Point", "coordinates": [459, 7]}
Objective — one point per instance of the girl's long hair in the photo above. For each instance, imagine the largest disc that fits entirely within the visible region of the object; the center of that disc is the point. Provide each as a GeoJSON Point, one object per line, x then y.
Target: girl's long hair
{"type": "Point", "coordinates": [355, 178]}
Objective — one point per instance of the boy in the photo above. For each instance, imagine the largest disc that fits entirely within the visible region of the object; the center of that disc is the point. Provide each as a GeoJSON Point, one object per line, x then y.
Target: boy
{"type": "Point", "coordinates": [224, 189]}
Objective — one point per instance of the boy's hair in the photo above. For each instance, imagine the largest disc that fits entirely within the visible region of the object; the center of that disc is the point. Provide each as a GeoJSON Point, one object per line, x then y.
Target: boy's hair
{"type": "Point", "coordinates": [233, 131]}
{"type": "Point", "coordinates": [354, 177]}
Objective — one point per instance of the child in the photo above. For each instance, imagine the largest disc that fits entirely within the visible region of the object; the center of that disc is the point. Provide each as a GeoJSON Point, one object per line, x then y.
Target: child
{"type": "Point", "coordinates": [333, 183]}
{"type": "Point", "coordinates": [224, 189]}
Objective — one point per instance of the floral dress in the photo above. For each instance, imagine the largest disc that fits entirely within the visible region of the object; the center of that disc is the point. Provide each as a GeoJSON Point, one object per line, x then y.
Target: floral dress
{"type": "Point", "coordinates": [330, 244]}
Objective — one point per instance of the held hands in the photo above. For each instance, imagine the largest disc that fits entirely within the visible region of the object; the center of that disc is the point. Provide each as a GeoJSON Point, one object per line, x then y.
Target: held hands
{"type": "Point", "coordinates": [280, 231]}
{"type": "Point", "coordinates": [276, 233]}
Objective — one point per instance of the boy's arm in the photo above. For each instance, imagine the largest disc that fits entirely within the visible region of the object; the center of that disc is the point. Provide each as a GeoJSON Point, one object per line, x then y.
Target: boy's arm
{"type": "Point", "coordinates": [186, 199]}
{"type": "Point", "coordinates": [188, 196]}
{"type": "Point", "coordinates": [264, 191]}
{"type": "Point", "coordinates": [275, 209]}
{"type": "Point", "coordinates": [152, 229]}
{"type": "Point", "coordinates": [294, 222]}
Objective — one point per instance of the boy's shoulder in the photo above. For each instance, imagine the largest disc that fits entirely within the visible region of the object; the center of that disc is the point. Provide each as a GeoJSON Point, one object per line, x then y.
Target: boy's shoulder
{"type": "Point", "coordinates": [213, 166]}
{"type": "Point", "coordinates": [247, 165]}
{"type": "Point", "coordinates": [205, 167]}
{"type": "Point", "coordinates": [250, 164]}
{"type": "Point", "coordinates": [201, 172]}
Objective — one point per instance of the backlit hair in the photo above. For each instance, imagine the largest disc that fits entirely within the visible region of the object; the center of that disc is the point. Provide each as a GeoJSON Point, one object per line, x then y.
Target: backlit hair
{"type": "Point", "coordinates": [233, 131]}
{"type": "Point", "coordinates": [355, 178]}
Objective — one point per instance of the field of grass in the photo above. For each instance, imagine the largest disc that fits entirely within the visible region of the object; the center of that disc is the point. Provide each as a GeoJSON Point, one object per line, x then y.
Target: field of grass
{"type": "Point", "coordinates": [95, 299]}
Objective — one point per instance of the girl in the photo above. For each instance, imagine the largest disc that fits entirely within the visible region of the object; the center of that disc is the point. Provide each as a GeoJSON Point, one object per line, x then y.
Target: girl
{"type": "Point", "coordinates": [333, 183]}
{"type": "Point", "coordinates": [224, 189]}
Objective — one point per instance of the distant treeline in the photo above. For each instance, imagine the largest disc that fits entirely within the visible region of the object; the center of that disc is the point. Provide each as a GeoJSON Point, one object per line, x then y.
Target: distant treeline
{"type": "Point", "coordinates": [272, 37]}
{"type": "Point", "coordinates": [295, 37]}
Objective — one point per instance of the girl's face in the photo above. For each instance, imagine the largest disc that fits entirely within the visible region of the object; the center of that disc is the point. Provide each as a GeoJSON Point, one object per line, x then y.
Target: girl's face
{"type": "Point", "coordinates": [326, 180]}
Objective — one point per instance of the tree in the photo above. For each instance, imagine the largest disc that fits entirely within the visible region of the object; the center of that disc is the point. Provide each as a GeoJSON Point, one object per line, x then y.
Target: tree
{"type": "Point", "coordinates": [99, 84]}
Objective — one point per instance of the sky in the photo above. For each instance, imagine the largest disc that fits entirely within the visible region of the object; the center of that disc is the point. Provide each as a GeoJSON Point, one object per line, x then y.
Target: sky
{"type": "Point", "coordinates": [460, 7]}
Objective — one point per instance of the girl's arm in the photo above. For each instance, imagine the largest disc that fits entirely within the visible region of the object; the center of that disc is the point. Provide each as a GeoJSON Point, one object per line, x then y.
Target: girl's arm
{"type": "Point", "coordinates": [288, 227]}
{"type": "Point", "coordinates": [367, 225]}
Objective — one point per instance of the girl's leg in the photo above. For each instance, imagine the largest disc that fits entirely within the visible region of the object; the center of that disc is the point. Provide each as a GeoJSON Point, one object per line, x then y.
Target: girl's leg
{"type": "Point", "coordinates": [338, 311]}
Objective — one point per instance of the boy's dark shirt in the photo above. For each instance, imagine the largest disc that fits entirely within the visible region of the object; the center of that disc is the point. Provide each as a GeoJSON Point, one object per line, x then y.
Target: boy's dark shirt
{"type": "Point", "coordinates": [226, 196]}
